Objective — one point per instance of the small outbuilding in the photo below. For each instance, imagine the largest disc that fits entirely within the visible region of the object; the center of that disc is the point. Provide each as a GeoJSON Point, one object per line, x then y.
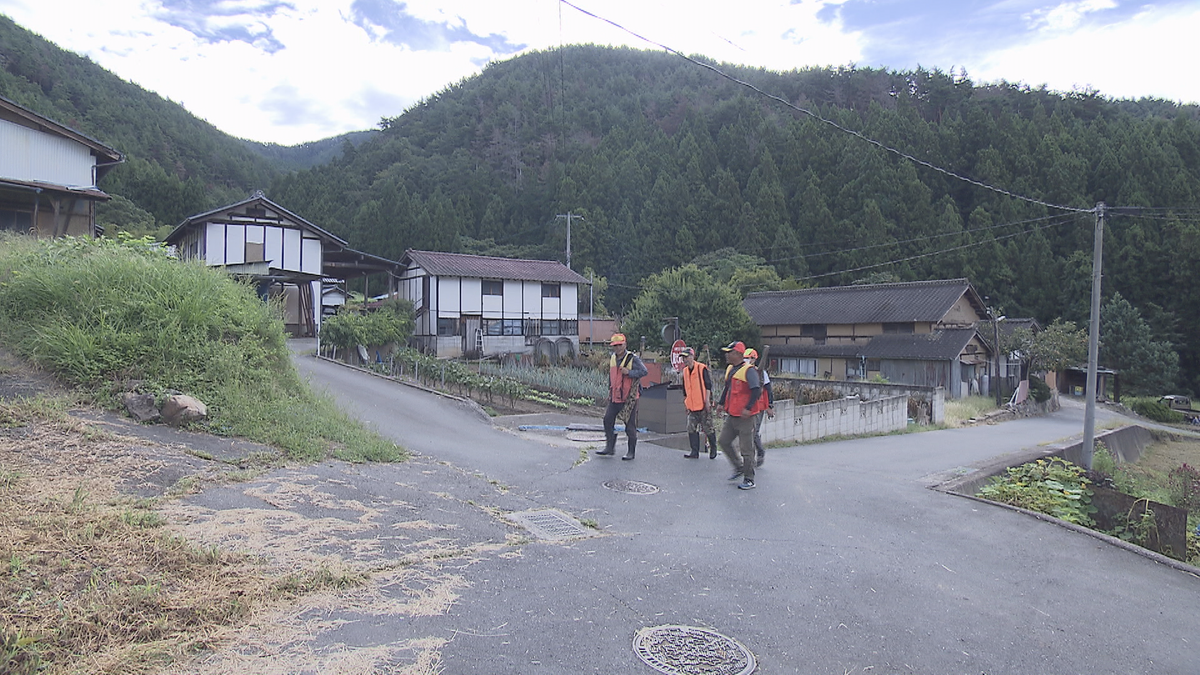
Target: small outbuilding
{"type": "Point", "coordinates": [48, 175]}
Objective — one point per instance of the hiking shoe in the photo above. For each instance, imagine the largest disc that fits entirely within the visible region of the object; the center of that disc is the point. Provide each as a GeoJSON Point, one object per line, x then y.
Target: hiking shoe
{"type": "Point", "coordinates": [746, 485]}
{"type": "Point", "coordinates": [736, 475]}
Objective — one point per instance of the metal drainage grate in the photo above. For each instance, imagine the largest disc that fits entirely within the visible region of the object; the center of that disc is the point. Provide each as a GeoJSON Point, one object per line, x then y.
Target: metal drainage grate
{"type": "Point", "coordinates": [687, 650]}
{"type": "Point", "coordinates": [549, 524]}
{"type": "Point", "coordinates": [633, 487]}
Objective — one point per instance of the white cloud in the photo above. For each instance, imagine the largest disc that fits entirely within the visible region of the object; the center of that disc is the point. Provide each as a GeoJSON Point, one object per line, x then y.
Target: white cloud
{"type": "Point", "coordinates": [1140, 57]}
{"type": "Point", "coordinates": [303, 70]}
{"type": "Point", "coordinates": [1067, 15]}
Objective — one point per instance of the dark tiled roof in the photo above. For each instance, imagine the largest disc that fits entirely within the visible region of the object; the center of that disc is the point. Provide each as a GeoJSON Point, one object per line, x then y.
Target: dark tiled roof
{"type": "Point", "coordinates": [916, 301]}
{"type": "Point", "coordinates": [485, 267]}
{"type": "Point", "coordinates": [940, 345]}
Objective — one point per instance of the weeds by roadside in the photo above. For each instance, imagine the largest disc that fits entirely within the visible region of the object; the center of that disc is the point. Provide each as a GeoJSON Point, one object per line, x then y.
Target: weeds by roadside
{"type": "Point", "coordinates": [109, 316]}
{"type": "Point", "coordinates": [90, 581]}
{"type": "Point", "coordinates": [962, 409]}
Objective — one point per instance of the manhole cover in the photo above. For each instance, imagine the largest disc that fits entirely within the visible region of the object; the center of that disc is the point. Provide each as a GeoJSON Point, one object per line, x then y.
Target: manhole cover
{"type": "Point", "coordinates": [549, 524]}
{"type": "Point", "coordinates": [687, 650]}
{"type": "Point", "coordinates": [633, 487]}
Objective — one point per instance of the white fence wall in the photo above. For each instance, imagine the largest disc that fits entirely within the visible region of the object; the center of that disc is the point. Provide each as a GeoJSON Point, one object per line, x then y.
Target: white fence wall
{"type": "Point", "coordinates": [843, 417]}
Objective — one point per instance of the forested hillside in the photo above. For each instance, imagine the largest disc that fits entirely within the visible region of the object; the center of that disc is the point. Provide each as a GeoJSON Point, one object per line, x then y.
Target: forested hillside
{"type": "Point", "coordinates": [177, 165]}
{"type": "Point", "coordinates": [667, 161]}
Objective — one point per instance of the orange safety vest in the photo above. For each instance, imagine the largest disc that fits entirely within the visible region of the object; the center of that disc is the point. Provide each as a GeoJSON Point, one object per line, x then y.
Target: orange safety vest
{"type": "Point", "coordinates": [764, 401]}
{"type": "Point", "coordinates": [739, 390]}
{"type": "Point", "coordinates": [620, 386]}
{"type": "Point", "coordinates": [695, 396]}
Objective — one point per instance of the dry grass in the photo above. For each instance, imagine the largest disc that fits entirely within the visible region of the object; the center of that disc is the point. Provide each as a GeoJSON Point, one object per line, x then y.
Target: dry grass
{"type": "Point", "coordinates": [91, 582]}
{"type": "Point", "coordinates": [961, 410]}
{"type": "Point", "coordinates": [95, 581]}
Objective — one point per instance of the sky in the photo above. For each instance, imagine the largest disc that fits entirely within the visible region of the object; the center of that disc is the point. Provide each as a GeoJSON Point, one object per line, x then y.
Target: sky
{"type": "Point", "coordinates": [292, 71]}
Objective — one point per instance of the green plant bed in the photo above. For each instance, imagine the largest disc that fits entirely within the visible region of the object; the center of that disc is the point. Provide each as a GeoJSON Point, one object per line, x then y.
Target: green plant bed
{"type": "Point", "coordinates": [1057, 487]}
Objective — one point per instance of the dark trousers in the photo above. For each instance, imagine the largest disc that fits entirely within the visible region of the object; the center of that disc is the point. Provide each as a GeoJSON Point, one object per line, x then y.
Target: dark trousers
{"type": "Point", "coordinates": [741, 428]}
{"type": "Point", "coordinates": [610, 426]}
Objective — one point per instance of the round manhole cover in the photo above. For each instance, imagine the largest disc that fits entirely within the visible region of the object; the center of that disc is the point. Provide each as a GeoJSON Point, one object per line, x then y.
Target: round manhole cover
{"type": "Point", "coordinates": [633, 487]}
{"type": "Point", "coordinates": [687, 650]}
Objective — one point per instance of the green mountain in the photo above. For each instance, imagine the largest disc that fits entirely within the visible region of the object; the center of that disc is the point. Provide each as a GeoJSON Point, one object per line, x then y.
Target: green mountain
{"type": "Point", "coordinates": [177, 164]}
{"type": "Point", "coordinates": [668, 161]}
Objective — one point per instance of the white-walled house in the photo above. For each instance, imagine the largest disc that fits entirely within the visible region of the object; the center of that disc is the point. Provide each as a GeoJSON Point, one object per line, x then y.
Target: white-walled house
{"type": "Point", "coordinates": [48, 175]}
{"type": "Point", "coordinates": [281, 252]}
{"type": "Point", "coordinates": [471, 305]}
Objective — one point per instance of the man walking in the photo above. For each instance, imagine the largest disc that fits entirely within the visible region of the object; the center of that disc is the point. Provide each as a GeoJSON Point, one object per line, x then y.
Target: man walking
{"type": "Point", "coordinates": [742, 391]}
{"type": "Point", "coordinates": [698, 399]}
{"type": "Point", "coordinates": [766, 406]}
{"type": "Point", "coordinates": [625, 371]}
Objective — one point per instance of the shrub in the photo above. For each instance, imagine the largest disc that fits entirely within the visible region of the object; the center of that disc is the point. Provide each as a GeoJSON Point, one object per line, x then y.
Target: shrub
{"type": "Point", "coordinates": [1183, 484]}
{"type": "Point", "coordinates": [1154, 410]}
{"type": "Point", "coordinates": [809, 395]}
{"type": "Point", "coordinates": [1052, 486]}
{"type": "Point", "coordinates": [391, 323]}
{"type": "Point", "coordinates": [1038, 389]}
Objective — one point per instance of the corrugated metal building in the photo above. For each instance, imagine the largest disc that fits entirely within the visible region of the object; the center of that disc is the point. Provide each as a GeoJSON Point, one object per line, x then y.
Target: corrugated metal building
{"type": "Point", "coordinates": [48, 175]}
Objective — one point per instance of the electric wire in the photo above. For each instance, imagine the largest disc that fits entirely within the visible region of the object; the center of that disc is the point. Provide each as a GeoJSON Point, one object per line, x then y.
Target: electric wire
{"type": "Point", "coordinates": [923, 255]}
{"type": "Point", "coordinates": [1042, 224]}
{"type": "Point", "coordinates": [1066, 218]}
{"type": "Point", "coordinates": [815, 116]}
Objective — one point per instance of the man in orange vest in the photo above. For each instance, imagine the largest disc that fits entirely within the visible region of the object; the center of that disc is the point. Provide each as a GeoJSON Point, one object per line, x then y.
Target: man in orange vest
{"type": "Point", "coordinates": [625, 372]}
{"type": "Point", "coordinates": [740, 402]}
{"type": "Point", "coordinates": [698, 399]}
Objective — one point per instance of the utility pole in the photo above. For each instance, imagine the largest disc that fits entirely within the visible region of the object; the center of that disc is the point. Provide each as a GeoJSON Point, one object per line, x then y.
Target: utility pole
{"type": "Point", "coordinates": [1089, 415]}
{"type": "Point", "coordinates": [569, 216]}
{"type": "Point", "coordinates": [996, 345]}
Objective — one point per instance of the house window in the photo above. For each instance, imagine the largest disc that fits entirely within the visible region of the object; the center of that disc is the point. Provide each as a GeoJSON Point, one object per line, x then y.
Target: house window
{"type": "Point", "coordinates": [854, 369]}
{"type": "Point", "coordinates": [18, 221]}
{"type": "Point", "coordinates": [493, 287]}
{"type": "Point", "coordinates": [550, 327]}
{"type": "Point", "coordinates": [551, 291]}
{"type": "Point", "coordinates": [872, 365]}
{"type": "Point", "coordinates": [502, 326]}
{"type": "Point", "coordinates": [447, 327]}
{"type": "Point", "coordinates": [798, 366]}
{"type": "Point", "coordinates": [816, 331]}
{"type": "Point", "coordinates": [898, 328]}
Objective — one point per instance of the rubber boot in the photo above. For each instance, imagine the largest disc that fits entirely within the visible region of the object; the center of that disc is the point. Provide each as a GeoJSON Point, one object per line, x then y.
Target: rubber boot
{"type": "Point", "coordinates": [632, 445]}
{"type": "Point", "coordinates": [609, 447]}
{"type": "Point", "coordinates": [712, 445]}
{"type": "Point", "coordinates": [694, 439]}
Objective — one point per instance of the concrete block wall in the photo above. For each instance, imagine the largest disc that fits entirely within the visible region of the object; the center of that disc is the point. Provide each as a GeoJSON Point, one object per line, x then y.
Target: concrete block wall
{"type": "Point", "coordinates": [844, 417]}
{"type": "Point", "coordinates": [869, 390]}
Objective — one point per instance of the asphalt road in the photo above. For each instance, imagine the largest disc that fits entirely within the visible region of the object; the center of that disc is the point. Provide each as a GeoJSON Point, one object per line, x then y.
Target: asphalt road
{"type": "Point", "coordinates": [842, 561]}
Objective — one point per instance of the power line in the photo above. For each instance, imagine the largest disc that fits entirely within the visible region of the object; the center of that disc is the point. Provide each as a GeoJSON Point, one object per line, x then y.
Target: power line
{"type": "Point", "coordinates": [1066, 218]}
{"type": "Point", "coordinates": [831, 123]}
{"type": "Point", "coordinates": [924, 255]}
{"type": "Point", "coordinates": [1059, 219]}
